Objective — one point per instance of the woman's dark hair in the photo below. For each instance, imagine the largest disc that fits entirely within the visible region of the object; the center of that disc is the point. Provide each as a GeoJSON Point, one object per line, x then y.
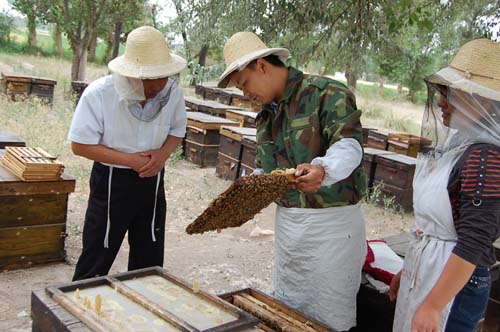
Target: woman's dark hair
{"type": "Point", "coordinates": [272, 59]}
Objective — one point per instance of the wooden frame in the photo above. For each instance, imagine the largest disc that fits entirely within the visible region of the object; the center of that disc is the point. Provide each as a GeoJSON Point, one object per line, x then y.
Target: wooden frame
{"type": "Point", "coordinates": [117, 282]}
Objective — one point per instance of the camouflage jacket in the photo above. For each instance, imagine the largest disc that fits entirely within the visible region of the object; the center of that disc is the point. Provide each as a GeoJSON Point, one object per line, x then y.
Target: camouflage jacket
{"type": "Point", "coordinates": [314, 113]}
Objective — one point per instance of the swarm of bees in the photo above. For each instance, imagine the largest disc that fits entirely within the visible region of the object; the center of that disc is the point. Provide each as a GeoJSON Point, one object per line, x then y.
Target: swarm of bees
{"type": "Point", "coordinates": [246, 197]}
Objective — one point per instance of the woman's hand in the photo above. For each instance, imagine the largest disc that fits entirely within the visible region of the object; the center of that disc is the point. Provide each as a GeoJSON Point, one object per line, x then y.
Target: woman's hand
{"type": "Point", "coordinates": [394, 287]}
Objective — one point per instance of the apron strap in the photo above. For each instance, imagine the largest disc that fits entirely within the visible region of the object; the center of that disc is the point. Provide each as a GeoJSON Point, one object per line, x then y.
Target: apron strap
{"type": "Point", "coordinates": [108, 221]}
{"type": "Point", "coordinates": [154, 210]}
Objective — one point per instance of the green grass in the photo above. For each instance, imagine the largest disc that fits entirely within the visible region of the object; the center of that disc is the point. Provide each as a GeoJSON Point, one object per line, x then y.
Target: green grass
{"type": "Point", "coordinates": [46, 45]}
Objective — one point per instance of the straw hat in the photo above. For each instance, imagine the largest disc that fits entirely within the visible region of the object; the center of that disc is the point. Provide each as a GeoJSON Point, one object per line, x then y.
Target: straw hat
{"type": "Point", "coordinates": [147, 56]}
{"type": "Point", "coordinates": [477, 62]}
{"type": "Point", "coordinates": [241, 49]}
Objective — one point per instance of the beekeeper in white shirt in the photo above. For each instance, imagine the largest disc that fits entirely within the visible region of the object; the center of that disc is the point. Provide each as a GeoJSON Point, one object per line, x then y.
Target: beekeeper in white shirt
{"type": "Point", "coordinates": [129, 123]}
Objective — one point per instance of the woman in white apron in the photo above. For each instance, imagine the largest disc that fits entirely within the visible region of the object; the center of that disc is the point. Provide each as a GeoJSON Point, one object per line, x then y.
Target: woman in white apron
{"type": "Point", "coordinates": [444, 283]}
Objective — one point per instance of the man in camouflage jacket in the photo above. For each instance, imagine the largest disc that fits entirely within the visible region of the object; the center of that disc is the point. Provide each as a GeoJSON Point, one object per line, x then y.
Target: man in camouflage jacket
{"type": "Point", "coordinates": [312, 124]}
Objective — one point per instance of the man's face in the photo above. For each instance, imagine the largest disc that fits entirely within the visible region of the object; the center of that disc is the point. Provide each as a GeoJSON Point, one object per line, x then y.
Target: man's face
{"type": "Point", "coordinates": [153, 87]}
{"type": "Point", "coordinates": [256, 83]}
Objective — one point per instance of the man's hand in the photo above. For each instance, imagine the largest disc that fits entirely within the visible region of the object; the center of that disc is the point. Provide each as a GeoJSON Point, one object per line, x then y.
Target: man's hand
{"type": "Point", "coordinates": [425, 319]}
{"type": "Point", "coordinates": [394, 287]}
{"type": "Point", "coordinates": [309, 177]}
{"type": "Point", "coordinates": [136, 161]}
{"type": "Point", "coordinates": [157, 159]}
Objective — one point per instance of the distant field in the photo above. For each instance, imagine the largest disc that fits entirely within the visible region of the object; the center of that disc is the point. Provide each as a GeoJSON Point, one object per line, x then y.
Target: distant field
{"type": "Point", "coordinates": [46, 44]}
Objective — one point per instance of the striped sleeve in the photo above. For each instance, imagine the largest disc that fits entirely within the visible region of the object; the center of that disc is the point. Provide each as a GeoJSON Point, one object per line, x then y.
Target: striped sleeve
{"type": "Point", "coordinates": [477, 205]}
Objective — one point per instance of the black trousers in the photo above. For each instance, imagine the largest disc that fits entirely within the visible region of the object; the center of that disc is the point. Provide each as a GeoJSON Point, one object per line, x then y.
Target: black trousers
{"type": "Point", "coordinates": [131, 209]}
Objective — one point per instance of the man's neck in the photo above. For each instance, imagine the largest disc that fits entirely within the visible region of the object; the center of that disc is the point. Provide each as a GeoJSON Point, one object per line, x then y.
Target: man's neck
{"type": "Point", "coordinates": [281, 80]}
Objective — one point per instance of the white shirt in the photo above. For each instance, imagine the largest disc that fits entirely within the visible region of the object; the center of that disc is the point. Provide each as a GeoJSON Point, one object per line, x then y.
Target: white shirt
{"type": "Point", "coordinates": [103, 117]}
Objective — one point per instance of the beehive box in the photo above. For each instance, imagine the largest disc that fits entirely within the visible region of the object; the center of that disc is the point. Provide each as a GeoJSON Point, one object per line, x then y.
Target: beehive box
{"type": "Point", "coordinates": [227, 167]}
{"type": "Point", "coordinates": [150, 299]}
{"type": "Point", "coordinates": [244, 118]}
{"type": "Point", "coordinates": [208, 106]}
{"type": "Point", "coordinates": [366, 132]}
{"type": "Point", "coordinates": [249, 152]}
{"type": "Point", "coordinates": [43, 88]}
{"type": "Point", "coordinates": [32, 220]}
{"type": "Point", "coordinates": [203, 138]}
{"type": "Point", "coordinates": [77, 88]}
{"type": "Point", "coordinates": [274, 315]}
{"type": "Point", "coordinates": [10, 139]}
{"type": "Point", "coordinates": [370, 162]}
{"type": "Point", "coordinates": [394, 174]}
{"type": "Point", "coordinates": [16, 86]}
{"type": "Point", "coordinates": [407, 144]}
{"type": "Point", "coordinates": [230, 151]}
{"type": "Point", "coordinates": [239, 100]}
{"type": "Point", "coordinates": [377, 139]}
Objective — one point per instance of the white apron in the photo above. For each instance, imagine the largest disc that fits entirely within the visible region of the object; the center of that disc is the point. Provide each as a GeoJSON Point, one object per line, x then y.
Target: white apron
{"type": "Point", "coordinates": [319, 254]}
{"type": "Point", "coordinates": [429, 252]}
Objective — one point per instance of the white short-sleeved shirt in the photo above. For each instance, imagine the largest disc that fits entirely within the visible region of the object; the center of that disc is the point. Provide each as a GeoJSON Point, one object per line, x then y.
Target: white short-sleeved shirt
{"type": "Point", "coordinates": [103, 117]}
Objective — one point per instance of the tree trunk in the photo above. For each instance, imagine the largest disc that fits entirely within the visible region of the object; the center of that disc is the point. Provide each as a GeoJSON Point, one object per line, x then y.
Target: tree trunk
{"type": "Point", "coordinates": [31, 31]}
{"type": "Point", "coordinates": [400, 87]}
{"type": "Point", "coordinates": [380, 86]}
{"type": "Point", "coordinates": [116, 39]}
{"type": "Point", "coordinates": [202, 56]}
{"type": "Point", "coordinates": [75, 62]}
{"type": "Point", "coordinates": [58, 37]}
{"type": "Point", "coordinates": [79, 61]}
{"type": "Point", "coordinates": [92, 49]}
{"type": "Point", "coordinates": [351, 77]}
{"type": "Point", "coordinates": [411, 95]}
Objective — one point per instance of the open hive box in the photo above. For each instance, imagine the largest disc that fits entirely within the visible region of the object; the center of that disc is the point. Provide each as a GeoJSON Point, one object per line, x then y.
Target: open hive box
{"type": "Point", "coordinates": [32, 164]}
{"type": "Point", "coordinates": [138, 301]}
{"type": "Point", "coordinates": [274, 315]}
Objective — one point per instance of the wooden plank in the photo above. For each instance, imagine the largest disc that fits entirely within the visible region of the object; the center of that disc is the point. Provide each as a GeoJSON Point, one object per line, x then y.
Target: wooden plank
{"type": "Point", "coordinates": [16, 211]}
{"type": "Point", "coordinates": [35, 244]}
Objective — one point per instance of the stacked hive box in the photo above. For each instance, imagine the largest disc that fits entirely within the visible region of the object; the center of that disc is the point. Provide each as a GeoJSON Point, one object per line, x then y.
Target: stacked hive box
{"type": "Point", "coordinates": [228, 162]}
{"type": "Point", "coordinates": [394, 174]}
{"type": "Point", "coordinates": [377, 139]}
{"type": "Point", "coordinates": [370, 162]}
{"type": "Point", "coordinates": [244, 118]}
{"type": "Point", "coordinates": [32, 220]}
{"type": "Point", "coordinates": [248, 155]}
{"type": "Point", "coordinates": [203, 138]}
{"type": "Point", "coordinates": [24, 85]}
{"type": "Point", "coordinates": [208, 106]}
{"type": "Point", "coordinates": [406, 144]}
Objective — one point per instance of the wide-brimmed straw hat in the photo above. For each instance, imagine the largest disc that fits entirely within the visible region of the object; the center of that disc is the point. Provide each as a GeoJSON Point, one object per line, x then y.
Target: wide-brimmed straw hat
{"type": "Point", "coordinates": [241, 49]}
{"type": "Point", "coordinates": [477, 61]}
{"type": "Point", "coordinates": [147, 56]}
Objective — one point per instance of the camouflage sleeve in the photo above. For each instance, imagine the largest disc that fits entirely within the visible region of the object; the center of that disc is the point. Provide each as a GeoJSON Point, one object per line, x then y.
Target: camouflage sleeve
{"type": "Point", "coordinates": [339, 116]}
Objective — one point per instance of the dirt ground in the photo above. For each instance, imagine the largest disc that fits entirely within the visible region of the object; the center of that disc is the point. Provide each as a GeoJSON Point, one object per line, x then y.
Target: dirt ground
{"type": "Point", "coordinates": [221, 262]}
